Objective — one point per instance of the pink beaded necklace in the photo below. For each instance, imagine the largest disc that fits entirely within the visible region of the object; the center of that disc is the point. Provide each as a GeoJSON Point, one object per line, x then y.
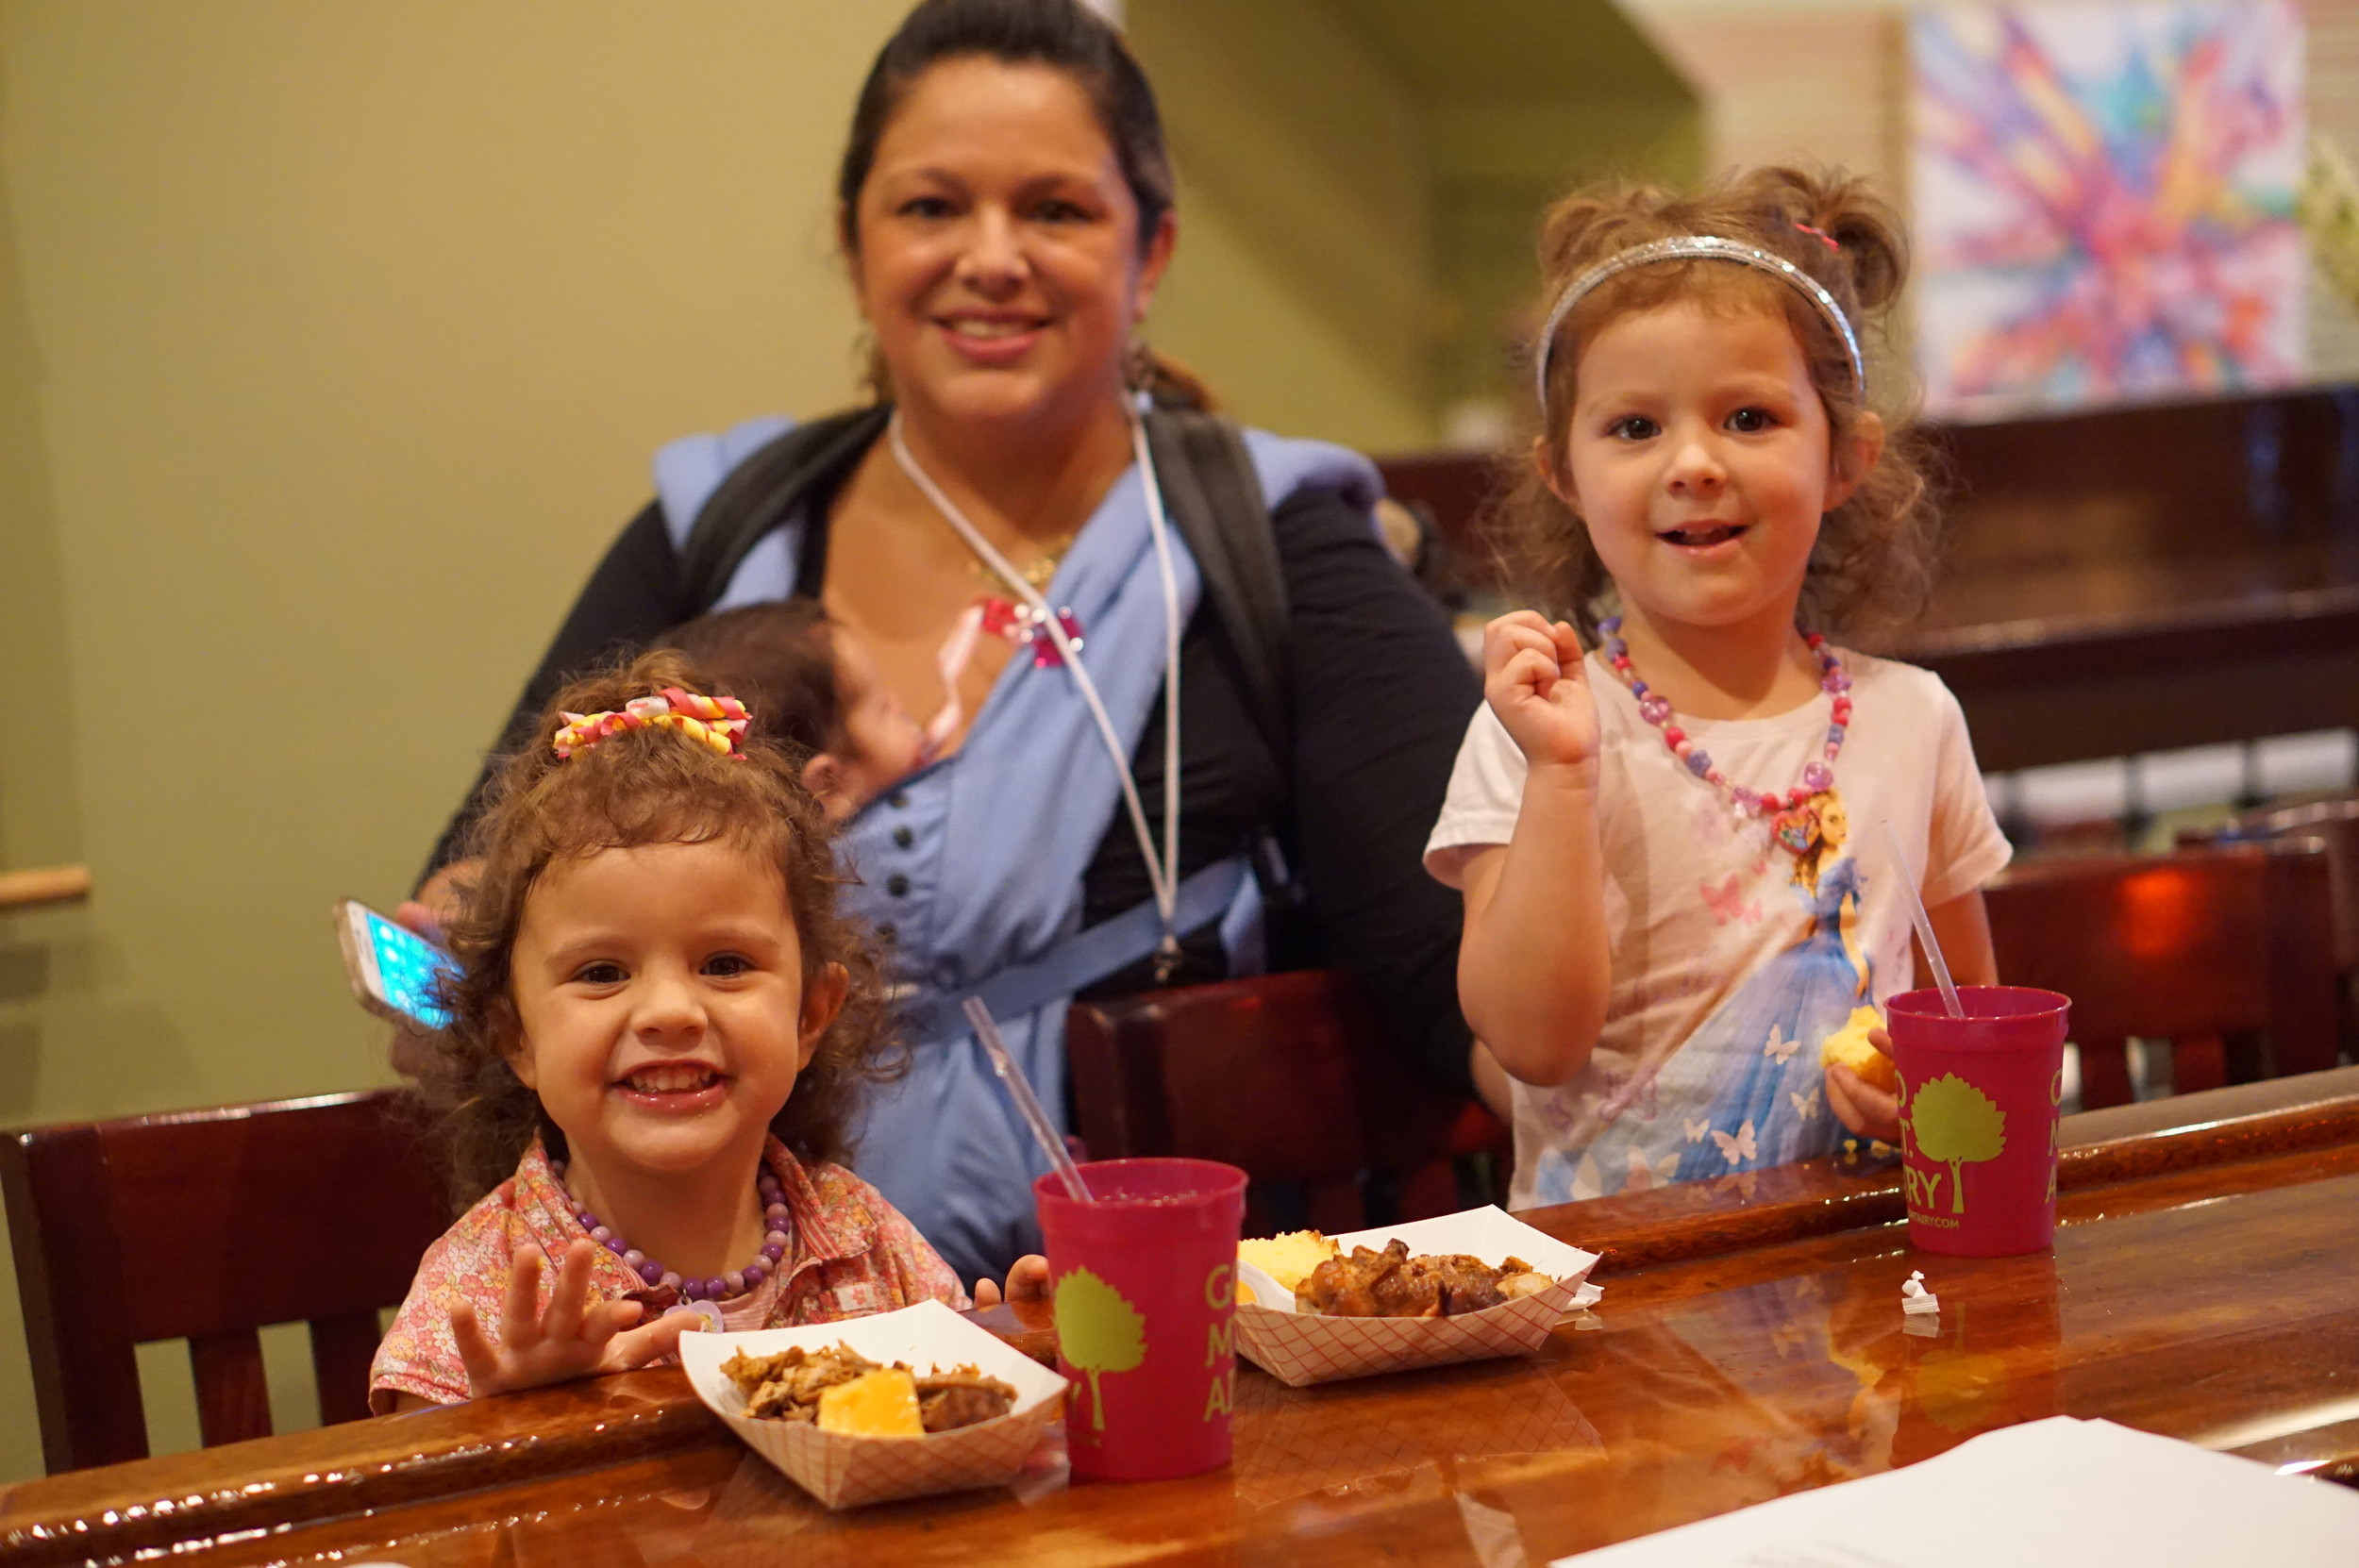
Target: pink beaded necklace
{"type": "Point", "coordinates": [1794, 821]}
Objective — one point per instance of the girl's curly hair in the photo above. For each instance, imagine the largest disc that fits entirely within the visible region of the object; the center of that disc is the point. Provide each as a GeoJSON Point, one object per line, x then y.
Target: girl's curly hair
{"type": "Point", "coordinates": [650, 786]}
{"type": "Point", "coordinates": [1872, 566]}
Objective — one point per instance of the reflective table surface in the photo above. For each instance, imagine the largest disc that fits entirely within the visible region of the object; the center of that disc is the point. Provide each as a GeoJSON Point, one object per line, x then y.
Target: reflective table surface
{"type": "Point", "coordinates": [2206, 1285]}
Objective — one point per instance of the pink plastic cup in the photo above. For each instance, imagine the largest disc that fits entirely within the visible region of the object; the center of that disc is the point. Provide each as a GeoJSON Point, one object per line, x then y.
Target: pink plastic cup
{"type": "Point", "coordinates": [1979, 1098]}
{"type": "Point", "coordinates": [1145, 1284]}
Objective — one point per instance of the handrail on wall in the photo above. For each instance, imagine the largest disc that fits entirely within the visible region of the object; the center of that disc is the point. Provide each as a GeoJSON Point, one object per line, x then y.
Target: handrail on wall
{"type": "Point", "coordinates": [23, 889]}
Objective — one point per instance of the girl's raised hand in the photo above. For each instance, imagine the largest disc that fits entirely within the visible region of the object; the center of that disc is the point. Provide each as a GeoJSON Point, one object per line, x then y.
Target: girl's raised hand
{"type": "Point", "coordinates": [575, 1337]}
{"type": "Point", "coordinates": [1534, 680]}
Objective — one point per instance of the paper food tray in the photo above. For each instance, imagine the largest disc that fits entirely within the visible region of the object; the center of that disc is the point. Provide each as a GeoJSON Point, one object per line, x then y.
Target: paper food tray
{"type": "Point", "coordinates": [843, 1471]}
{"type": "Point", "coordinates": [1299, 1348]}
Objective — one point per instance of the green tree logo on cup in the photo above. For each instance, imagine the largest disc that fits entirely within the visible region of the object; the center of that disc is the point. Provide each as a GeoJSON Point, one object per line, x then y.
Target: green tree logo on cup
{"type": "Point", "coordinates": [1956, 1123]}
{"type": "Point", "coordinates": [1098, 1331]}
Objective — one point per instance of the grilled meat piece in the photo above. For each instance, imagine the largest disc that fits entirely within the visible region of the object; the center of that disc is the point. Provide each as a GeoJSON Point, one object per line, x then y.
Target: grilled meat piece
{"type": "Point", "coordinates": [961, 1398]}
{"type": "Point", "coordinates": [786, 1386]}
{"type": "Point", "coordinates": [1392, 1284]}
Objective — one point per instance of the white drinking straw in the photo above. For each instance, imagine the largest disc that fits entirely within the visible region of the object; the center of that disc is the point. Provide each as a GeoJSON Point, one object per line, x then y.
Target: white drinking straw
{"type": "Point", "coordinates": [1924, 924]}
{"type": "Point", "coordinates": [1020, 1091]}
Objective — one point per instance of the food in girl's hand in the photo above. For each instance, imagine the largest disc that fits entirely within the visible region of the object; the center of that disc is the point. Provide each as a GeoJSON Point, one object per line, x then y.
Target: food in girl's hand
{"type": "Point", "coordinates": [1392, 1284]}
{"type": "Point", "coordinates": [1288, 1258]}
{"type": "Point", "coordinates": [842, 1391]}
{"type": "Point", "coordinates": [1850, 1046]}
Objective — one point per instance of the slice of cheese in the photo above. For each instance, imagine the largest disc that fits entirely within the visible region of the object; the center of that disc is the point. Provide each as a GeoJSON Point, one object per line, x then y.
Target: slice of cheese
{"type": "Point", "coordinates": [876, 1403]}
{"type": "Point", "coordinates": [1288, 1259]}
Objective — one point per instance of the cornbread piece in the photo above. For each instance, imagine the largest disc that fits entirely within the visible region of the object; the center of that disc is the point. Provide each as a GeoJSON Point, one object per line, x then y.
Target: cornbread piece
{"type": "Point", "coordinates": [1288, 1259]}
{"type": "Point", "coordinates": [883, 1403]}
{"type": "Point", "coordinates": [1850, 1047]}
{"type": "Point", "coordinates": [961, 1397]}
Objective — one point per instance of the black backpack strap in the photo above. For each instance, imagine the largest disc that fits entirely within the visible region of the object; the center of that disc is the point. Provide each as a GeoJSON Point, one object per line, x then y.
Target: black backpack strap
{"type": "Point", "coordinates": [757, 495]}
{"type": "Point", "coordinates": [1214, 496]}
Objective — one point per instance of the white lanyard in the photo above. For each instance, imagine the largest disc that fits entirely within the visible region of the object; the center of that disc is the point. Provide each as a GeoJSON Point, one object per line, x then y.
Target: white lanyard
{"type": "Point", "coordinates": [1162, 874]}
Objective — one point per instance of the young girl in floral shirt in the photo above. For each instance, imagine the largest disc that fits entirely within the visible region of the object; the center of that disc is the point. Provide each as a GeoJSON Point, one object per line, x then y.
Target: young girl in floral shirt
{"type": "Point", "coordinates": [660, 1027]}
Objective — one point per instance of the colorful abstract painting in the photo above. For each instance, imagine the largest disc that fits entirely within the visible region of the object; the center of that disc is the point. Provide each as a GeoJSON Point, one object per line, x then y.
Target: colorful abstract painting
{"type": "Point", "coordinates": [2103, 198]}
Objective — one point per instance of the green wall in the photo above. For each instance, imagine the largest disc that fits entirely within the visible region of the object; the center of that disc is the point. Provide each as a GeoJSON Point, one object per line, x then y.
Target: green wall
{"type": "Point", "coordinates": [1304, 288]}
{"type": "Point", "coordinates": [334, 339]}
{"type": "Point", "coordinates": [333, 342]}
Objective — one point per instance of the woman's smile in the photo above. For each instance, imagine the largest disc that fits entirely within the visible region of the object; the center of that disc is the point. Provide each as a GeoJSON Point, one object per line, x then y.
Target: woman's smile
{"type": "Point", "coordinates": [992, 338]}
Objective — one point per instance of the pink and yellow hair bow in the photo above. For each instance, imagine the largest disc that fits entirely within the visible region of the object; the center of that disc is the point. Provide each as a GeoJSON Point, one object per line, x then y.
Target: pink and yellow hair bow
{"type": "Point", "coordinates": [715, 721]}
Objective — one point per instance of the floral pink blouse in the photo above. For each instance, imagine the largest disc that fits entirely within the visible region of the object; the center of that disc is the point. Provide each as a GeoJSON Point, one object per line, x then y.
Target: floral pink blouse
{"type": "Point", "coordinates": [851, 1254]}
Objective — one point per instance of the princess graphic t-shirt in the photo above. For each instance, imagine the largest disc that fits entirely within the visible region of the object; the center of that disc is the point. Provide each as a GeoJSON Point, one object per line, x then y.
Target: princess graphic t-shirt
{"type": "Point", "coordinates": [1733, 959]}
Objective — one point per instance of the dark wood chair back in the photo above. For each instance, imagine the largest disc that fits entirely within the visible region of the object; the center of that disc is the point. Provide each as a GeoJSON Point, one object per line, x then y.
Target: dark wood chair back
{"type": "Point", "coordinates": [1291, 1078]}
{"type": "Point", "coordinates": [2225, 952]}
{"type": "Point", "coordinates": [209, 1225]}
{"type": "Point", "coordinates": [2335, 823]}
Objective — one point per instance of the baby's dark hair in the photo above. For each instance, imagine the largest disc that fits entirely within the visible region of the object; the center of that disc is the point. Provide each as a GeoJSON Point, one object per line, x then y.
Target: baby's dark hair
{"type": "Point", "coordinates": [778, 659]}
{"type": "Point", "coordinates": [1873, 563]}
{"type": "Point", "coordinates": [650, 786]}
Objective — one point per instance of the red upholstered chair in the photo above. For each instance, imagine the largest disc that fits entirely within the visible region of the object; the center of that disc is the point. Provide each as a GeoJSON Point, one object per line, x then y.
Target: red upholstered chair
{"type": "Point", "coordinates": [1289, 1077]}
{"type": "Point", "coordinates": [209, 1225]}
{"type": "Point", "coordinates": [2225, 952]}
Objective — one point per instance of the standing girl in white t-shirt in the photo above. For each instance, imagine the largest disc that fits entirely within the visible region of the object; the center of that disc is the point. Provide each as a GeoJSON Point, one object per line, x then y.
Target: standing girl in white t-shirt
{"type": "Point", "coordinates": [1678, 882]}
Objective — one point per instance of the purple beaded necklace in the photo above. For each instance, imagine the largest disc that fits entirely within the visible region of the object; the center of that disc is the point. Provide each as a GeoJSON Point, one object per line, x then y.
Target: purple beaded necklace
{"type": "Point", "coordinates": [1793, 817]}
{"type": "Point", "coordinates": [775, 1222]}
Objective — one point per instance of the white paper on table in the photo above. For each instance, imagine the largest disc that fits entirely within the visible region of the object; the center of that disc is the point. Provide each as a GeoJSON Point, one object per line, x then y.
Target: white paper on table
{"type": "Point", "coordinates": [2061, 1492]}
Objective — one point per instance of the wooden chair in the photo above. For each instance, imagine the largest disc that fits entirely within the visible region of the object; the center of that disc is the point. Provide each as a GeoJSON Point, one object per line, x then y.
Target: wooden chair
{"type": "Point", "coordinates": [206, 1225]}
{"type": "Point", "coordinates": [2335, 823]}
{"type": "Point", "coordinates": [1289, 1077]}
{"type": "Point", "coordinates": [2208, 949]}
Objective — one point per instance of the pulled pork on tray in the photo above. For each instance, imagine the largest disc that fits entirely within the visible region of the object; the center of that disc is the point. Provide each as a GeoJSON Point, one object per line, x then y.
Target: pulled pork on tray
{"type": "Point", "coordinates": [1392, 1284]}
{"type": "Point", "coordinates": [787, 1386]}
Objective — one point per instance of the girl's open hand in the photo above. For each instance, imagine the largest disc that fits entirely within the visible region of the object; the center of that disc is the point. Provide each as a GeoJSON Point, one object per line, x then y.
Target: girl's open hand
{"type": "Point", "coordinates": [1534, 680]}
{"type": "Point", "coordinates": [575, 1337]}
{"type": "Point", "coordinates": [1869, 1112]}
{"type": "Point", "coordinates": [1027, 1280]}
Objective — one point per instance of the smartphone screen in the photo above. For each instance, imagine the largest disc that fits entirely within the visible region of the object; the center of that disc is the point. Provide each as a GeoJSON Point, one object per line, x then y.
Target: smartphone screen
{"type": "Point", "coordinates": [395, 968]}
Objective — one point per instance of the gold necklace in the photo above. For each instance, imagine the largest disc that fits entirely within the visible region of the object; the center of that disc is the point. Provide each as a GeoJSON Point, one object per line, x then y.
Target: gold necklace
{"type": "Point", "coordinates": [1038, 573]}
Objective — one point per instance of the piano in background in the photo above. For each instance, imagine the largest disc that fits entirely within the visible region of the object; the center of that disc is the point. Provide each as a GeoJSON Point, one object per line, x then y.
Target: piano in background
{"type": "Point", "coordinates": [2129, 580]}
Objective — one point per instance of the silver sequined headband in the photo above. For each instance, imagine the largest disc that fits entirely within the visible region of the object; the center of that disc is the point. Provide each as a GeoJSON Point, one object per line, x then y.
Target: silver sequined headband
{"type": "Point", "coordinates": [1699, 247]}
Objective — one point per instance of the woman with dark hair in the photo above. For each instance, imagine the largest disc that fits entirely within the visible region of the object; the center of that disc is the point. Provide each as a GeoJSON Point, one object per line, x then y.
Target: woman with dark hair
{"type": "Point", "coordinates": [1070, 572]}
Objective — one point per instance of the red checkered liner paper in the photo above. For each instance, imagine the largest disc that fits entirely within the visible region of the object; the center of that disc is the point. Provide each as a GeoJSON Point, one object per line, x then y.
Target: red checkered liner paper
{"type": "Point", "coordinates": [1306, 1347]}
{"type": "Point", "coordinates": [843, 1471]}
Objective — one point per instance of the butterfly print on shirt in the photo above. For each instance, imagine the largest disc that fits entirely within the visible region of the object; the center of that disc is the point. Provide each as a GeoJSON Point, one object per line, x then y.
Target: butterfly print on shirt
{"type": "Point", "coordinates": [1740, 1150]}
{"type": "Point", "coordinates": [1728, 904]}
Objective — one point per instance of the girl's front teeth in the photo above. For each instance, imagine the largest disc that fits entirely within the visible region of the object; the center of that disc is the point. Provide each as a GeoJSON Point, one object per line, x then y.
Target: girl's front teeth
{"type": "Point", "coordinates": [665, 1080]}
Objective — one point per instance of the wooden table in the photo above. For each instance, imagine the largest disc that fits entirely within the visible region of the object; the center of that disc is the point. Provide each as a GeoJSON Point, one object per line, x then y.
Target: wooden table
{"type": "Point", "coordinates": [1751, 1343]}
